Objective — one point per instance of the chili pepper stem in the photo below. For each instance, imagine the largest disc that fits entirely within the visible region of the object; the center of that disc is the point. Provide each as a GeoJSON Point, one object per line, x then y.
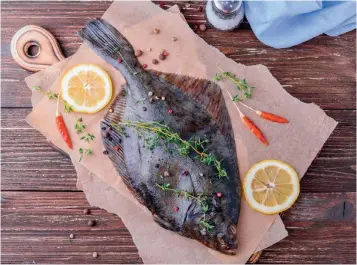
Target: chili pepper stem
{"type": "Point", "coordinates": [57, 107]}
{"type": "Point", "coordinates": [258, 112]}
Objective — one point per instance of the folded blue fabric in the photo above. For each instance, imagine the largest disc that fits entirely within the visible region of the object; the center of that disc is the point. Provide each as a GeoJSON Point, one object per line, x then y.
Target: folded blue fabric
{"type": "Point", "coordinates": [283, 24]}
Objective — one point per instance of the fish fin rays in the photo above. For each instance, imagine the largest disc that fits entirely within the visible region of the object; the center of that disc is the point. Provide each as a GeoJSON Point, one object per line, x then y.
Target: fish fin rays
{"type": "Point", "coordinates": [207, 93]}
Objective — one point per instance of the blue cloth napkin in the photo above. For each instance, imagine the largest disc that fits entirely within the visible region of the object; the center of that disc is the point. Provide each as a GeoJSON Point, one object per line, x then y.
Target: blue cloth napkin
{"type": "Point", "coordinates": [283, 24]}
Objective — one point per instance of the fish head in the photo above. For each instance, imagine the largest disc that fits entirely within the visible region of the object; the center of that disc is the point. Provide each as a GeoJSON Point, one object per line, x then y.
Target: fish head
{"type": "Point", "coordinates": [224, 238]}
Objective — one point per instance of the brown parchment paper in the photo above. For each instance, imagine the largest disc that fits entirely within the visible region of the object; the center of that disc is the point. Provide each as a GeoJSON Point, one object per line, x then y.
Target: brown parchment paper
{"type": "Point", "coordinates": [296, 143]}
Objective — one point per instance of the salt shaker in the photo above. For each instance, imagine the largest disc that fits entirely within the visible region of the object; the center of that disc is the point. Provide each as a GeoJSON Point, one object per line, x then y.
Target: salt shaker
{"type": "Point", "coordinates": [224, 15]}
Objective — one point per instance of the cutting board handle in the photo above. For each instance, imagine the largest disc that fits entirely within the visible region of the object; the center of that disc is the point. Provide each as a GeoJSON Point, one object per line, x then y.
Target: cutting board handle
{"type": "Point", "coordinates": [35, 48]}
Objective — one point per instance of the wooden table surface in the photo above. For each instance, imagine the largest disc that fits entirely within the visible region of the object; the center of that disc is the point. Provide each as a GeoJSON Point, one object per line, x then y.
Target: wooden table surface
{"type": "Point", "coordinates": [41, 205]}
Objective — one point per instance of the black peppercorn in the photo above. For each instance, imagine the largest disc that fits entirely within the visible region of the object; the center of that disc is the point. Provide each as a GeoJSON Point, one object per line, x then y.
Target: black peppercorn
{"type": "Point", "coordinates": [105, 152]}
{"type": "Point", "coordinates": [91, 223]}
{"type": "Point", "coordinates": [157, 165]}
{"type": "Point", "coordinates": [110, 138]}
{"type": "Point", "coordinates": [86, 211]}
{"type": "Point", "coordinates": [103, 128]}
{"type": "Point", "coordinates": [145, 109]}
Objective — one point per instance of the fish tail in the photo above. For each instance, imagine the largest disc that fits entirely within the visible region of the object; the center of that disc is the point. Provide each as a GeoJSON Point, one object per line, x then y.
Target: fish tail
{"type": "Point", "coordinates": [111, 45]}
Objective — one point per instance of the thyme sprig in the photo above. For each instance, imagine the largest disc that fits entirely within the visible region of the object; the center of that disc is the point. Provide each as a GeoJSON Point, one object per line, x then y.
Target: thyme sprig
{"type": "Point", "coordinates": [79, 126]}
{"type": "Point", "coordinates": [84, 151]}
{"type": "Point", "coordinates": [201, 200]}
{"type": "Point", "coordinates": [241, 84]}
{"type": "Point", "coordinates": [163, 134]}
{"type": "Point", "coordinates": [88, 137]}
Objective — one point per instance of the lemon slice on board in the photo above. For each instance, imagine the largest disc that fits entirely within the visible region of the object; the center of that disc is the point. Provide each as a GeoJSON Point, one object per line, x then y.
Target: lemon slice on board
{"type": "Point", "coordinates": [271, 186]}
{"type": "Point", "coordinates": [87, 88]}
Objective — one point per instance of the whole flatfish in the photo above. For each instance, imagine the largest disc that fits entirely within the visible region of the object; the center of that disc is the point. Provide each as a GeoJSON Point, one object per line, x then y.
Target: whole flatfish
{"type": "Point", "coordinates": [170, 138]}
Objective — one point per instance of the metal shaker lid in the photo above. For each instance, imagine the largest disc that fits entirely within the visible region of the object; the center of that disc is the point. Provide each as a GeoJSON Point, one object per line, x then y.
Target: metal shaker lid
{"type": "Point", "coordinates": [227, 6]}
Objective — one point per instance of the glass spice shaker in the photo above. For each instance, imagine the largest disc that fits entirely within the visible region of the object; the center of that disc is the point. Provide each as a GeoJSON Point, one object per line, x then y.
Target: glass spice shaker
{"type": "Point", "coordinates": [224, 15]}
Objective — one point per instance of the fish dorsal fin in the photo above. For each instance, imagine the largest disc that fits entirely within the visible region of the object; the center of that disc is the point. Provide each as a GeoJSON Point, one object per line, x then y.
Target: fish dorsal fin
{"type": "Point", "coordinates": [207, 93]}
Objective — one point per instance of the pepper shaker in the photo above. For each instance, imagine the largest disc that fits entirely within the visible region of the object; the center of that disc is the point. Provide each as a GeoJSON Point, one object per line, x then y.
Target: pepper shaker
{"type": "Point", "coordinates": [224, 15]}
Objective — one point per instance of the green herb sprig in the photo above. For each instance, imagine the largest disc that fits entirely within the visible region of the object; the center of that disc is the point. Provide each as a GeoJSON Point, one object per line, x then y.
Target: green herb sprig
{"type": "Point", "coordinates": [84, 151]}
{"type": "Point", "coordinates": [88, 137]}
{"type": "Point", "coordinates": [163, 134]}
{"type": "Point", "coordinates": [201, 200]}
{"type": "Point", "coordinates": [79, 126]}
{"type": "Point", "coordinates": [241, 84]}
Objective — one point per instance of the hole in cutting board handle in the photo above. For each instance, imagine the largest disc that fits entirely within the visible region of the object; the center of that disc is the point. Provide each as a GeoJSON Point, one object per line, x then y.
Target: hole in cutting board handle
{"type": "Point", "coordinates": [32, 49]}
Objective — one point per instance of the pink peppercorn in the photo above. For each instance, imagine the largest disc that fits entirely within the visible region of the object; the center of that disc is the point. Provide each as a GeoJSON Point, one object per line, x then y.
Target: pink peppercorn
{"type": "Point", "coordinates": [219, 194]}
{"type": "Point", "coordinates": [116, 148]}
{"type": "Point", "coordinates": [185, 173]}
{"type": "Point", "coordinates": [169, 111]}
{"type": "Point", "coordinates": [165, 53]}
{"type": "Point", "coordinates": [145, 66]}
{"type": "Point", "coordinates": [176, 209]}
{"type": "Point", "coordinates": [119, 60]}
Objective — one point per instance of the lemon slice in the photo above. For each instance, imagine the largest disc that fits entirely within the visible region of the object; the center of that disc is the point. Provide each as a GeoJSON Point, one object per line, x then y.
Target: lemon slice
{"type": "Point", "coordinates": [87, 88]}
{"type": "Point", "coordinates": [271, 186]}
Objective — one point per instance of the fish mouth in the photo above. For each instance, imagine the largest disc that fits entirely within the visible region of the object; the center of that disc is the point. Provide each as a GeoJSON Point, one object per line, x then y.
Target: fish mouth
{"type": "Point", "coordinates": [229, 251]}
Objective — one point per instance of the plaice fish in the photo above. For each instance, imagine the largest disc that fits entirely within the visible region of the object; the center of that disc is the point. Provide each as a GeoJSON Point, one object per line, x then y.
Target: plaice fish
{"type": "Point", "coordinates": [170, 139]}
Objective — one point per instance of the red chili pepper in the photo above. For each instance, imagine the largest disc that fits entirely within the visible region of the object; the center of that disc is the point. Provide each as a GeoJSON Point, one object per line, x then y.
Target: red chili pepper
{"type": "Point", "coordinates": [271, 117]}
{"type": "Point", "coordinates": [253, 128]}
{"type": "Point", "coordinates": [62, 128]}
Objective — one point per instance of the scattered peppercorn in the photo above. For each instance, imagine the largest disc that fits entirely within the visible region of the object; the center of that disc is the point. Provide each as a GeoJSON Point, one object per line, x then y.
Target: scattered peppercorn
{"type": "Point", "coordinates": [86, 211]}
{"type": "Point", "coordinates": [111, 110]}
{"type": "Point", "coordinates": [138, 53]}
{"type": "Point", "coordinates": [71, 236]}
{"type": "Point", "coordinates": [116, 148]}
{"type": "Point", "coordinates": [169, 111]}
{"type": "Point", "coordinates": [176, 209]}
{"type": "Point", "coordinates": [174, 39]}
{"type": "Point", "coordinates": [156, 97]}
{"type": "Point", "coordinates": [219, 194]}
{"type": "Point", "coordinates": [156, 31]}
{"type": "Point", "coordinates": [201, 174]}
{"type": "Point", "coordinates": [104, 128]}
{"type": "Point", "coordinates": [165, 53]}
{"type": "Point", "coordinates": [154, 61]}
{"type": "Point", "coordinates": [95, 254]}
{"type": "Point", "coordinates": [149, 49]}
{"type": "Point", "coordinates": [163, 98]}
{"type": "Point", "coordinates": [91, 223]}
{"type": "Point", "coordinates": [119, 140]}
{"type": "Point", "coordinates": [166, 174]}
{"type": "Point", "coordinates": [119, 60]}
{"type": "Point", "coordinates": [105, 152]}
{"type": "Point", "coordinates": [162, 57]}
{"type": "Point", "coordinates": [145, 109]}
{"type": "Point", "coordinates": [200, 8]}
{"type": "Point", "coordinates": [185, 173]}
{"type": "Point", "coordinates": [195, 27]}
{"type": "Point", "coordinates": [203, 27]}
{"type": "Point", "coordinates": [110, 138]}
{"type": "Point", "coordinates": [150, 94]}
{"type": "Point", "coordinates": [145, 66]}
{"type": "Point", "coordinates": [157, 165]}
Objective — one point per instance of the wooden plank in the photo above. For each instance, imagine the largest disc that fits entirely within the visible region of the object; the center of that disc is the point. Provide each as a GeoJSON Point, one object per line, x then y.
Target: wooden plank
{"type": "Point", "coordinates": [30, 163]}
{"type": "Point", "coordinates": [321, 70]}
{"type": "Point", "coordinates": [36, 226]}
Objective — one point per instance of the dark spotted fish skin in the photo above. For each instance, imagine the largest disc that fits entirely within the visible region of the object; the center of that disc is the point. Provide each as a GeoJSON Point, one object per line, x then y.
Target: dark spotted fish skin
{"type": "Point", "coordinates": [198, 110]}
